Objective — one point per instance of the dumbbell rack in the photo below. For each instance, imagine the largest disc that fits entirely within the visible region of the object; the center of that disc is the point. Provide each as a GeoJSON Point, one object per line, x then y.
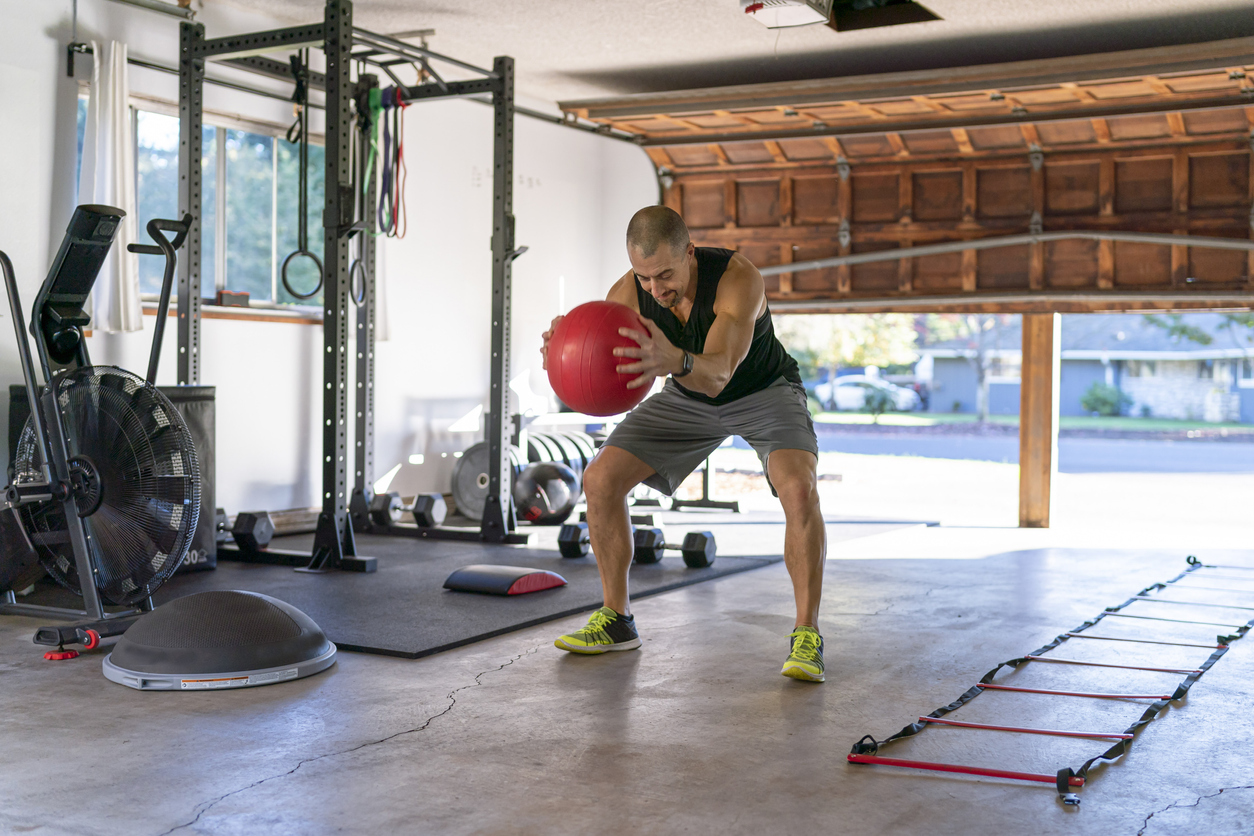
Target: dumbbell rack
{"type": "Point", "coordinates": [540, 447]}
{"type": "Point", "coordinates": [866, 750]}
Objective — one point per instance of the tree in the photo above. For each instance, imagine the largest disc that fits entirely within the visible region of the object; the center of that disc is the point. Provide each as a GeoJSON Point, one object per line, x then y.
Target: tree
{"type": "Point", "coordinates": [1236, 324]}
{"type": "Point", "coordinates": [981, 337]}
{"type": "Point", "coordinates": [832, 341]}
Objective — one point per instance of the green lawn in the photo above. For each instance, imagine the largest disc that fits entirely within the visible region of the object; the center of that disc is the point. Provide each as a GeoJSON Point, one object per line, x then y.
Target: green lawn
{"type": "Point", "coordinates": [928, 419]}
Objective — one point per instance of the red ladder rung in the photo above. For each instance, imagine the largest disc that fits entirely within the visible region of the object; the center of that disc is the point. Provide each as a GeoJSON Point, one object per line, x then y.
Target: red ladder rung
{"type": "Point", "coordinates": [1143, 641]}
{"type": "Point", "coordinates": [1074, 781]}
{"type": "Point", "coordinates": [1075, 693]}
{"type": "Point", "coordinates": [1111, 735]}
{"type": "Point", "coordinates": [1109, 665]}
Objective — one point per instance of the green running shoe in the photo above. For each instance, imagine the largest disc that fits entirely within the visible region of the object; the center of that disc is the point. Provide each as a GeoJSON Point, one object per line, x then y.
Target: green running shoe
{"type": "Point", "coordinates": [605, 631]}
{"type": "Point", "coordinates": [805, 658]}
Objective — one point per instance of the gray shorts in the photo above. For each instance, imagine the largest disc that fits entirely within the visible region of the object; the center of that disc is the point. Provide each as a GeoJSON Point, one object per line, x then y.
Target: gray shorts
{"type": "Point", "coordinates": [673, 433]}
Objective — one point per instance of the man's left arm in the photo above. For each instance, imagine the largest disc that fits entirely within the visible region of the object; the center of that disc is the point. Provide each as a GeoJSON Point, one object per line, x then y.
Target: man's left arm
{"type": "Point", "coordinates": [740, 296]}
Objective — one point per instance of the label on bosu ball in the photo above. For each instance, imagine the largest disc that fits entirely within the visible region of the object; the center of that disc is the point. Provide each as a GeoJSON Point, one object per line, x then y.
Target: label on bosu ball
{"type": "Point", "coordinates": [582, 366]}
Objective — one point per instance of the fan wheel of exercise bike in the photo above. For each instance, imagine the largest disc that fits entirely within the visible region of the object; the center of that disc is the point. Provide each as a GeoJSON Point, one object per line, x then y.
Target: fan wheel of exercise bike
{"type": "Point", "coordinates": [135, 477]}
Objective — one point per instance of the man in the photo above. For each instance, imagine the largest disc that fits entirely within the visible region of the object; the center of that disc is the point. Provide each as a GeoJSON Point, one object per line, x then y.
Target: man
{"type": "Point", "coordinates": [709, 329]}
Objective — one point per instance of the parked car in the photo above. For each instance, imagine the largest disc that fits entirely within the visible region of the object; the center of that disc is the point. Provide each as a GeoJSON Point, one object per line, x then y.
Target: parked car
{"type": "Point", "coordinates": [850, 392]}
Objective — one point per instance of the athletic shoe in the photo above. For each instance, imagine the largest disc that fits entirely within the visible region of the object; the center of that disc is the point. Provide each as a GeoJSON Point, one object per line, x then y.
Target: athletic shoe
{"type": "Point", "coordinates": [606, 631]}
{"type": "Point", "coordinates": [805, 658]}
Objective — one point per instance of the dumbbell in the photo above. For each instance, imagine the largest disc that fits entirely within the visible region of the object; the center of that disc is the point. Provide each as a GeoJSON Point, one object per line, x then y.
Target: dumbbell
{"type": "Point", "coordinates": [572, 539]}
{"type": "Point", "coordinates": [698, 547]}
{"type": "Point", "coordinates": [253, 530]}
{"type": "Point", "coordinates": [428, 510]}
{"type": "Point", "coordinates": [386, 509]}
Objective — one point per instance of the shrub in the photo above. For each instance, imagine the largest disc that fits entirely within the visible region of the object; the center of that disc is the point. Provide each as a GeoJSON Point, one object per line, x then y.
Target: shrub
{"type": "Point", "coordinates": [877, 402]}
{"type": "Point", "coordinates": [1105, 400]}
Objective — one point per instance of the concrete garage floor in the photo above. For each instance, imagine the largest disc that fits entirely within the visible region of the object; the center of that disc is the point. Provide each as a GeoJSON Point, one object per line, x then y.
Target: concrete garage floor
{"type": "Point", "coordinates": [697, 732]}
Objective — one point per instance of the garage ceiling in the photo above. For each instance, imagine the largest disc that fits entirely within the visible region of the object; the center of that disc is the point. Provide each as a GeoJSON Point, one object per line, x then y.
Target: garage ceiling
{"type": "Point", "coordinates": [577, 49]}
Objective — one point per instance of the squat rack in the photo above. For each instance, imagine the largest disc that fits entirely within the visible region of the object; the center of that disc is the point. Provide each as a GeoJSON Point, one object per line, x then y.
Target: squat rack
{"type": "Point", "coordinates": [334, 545]}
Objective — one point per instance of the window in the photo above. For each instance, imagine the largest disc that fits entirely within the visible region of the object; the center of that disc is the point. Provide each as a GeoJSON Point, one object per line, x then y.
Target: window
{"type": "Point", "coordinates": [1004, 369]}
{"type": "Point", "coordinates": [1142, 368]}
{"type": "Point", "coordinates": [82, 128]}
{"type": "Point", "coordinates": [249, 191]}
{"type": "Point", "coordinates": [1245, 373]}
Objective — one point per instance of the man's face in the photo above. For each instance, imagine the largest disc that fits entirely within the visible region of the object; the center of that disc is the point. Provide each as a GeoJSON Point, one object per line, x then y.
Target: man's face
{"type": "Point", "coordinates": [664, 275]}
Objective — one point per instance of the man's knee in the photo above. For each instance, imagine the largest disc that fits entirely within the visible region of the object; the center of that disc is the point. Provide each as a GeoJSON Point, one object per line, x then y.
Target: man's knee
{"type": "Point", "coordinates": [608, 479]}
{"type": "Point", "coordinates": [797, 491]}
{"type": "Point", "coordinates": [794, 479]}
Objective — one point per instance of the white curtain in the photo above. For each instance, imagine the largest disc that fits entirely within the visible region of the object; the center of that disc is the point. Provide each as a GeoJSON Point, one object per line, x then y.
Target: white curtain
{"type": "Point", "coordinates": [108, 177]}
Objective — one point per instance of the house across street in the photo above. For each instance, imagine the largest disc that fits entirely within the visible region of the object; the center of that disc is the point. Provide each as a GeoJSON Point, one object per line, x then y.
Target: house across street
{"type": "Point", "coordinates": [1163, 372]}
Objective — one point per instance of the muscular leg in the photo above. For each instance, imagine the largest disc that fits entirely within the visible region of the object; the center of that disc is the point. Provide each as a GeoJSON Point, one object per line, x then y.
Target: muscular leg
{"type": "Point", "coordinates": [606, 483]}
{"type": "Point", "coordinates": [793, 473]}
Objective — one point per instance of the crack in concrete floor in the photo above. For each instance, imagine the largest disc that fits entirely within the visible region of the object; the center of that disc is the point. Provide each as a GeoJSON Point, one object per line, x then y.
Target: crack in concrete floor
{"type": "Point", "coordinates": [1175, 805]}
{"type": "Point", "coordinates": [205, 807]}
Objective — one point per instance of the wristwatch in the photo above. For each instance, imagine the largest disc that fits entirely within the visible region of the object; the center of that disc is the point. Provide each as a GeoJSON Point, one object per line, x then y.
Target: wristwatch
{"type": "Point", "coordinates": [687, 366]}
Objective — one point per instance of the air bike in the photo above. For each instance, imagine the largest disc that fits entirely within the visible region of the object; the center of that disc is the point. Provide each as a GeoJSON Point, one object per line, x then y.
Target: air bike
{"type": "Point", "coordinates": [105, 498]}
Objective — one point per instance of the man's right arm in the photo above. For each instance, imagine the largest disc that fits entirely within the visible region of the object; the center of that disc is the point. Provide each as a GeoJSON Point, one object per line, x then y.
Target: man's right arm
{"type": "Point", "coordinates": [624, 292]}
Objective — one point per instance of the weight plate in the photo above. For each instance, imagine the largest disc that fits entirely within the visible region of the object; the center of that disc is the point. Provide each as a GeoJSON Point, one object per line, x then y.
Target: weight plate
{"type": "Point", "coordinates": [559, 453]}
{"type": "Point", "coordinates": [470, 479]}
{"type": "Point", "coordinates": [570, 453]}
{"type": "Point", "coordinates": [549, 450]}
{"type": "Point", "coordinates": [537, 449]}
{"type": "Point", "coordinates": [582, 442]}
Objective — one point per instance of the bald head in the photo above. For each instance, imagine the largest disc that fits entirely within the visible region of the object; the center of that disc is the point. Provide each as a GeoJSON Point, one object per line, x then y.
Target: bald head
{"type": "Point", "coordinates": [654, 226]}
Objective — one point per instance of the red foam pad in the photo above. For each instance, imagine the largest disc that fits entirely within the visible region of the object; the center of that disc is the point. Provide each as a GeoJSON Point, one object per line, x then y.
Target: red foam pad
{"type": "Point", "coordinates": [582, 366]}
{"type": "Point", "coordinates": [535, 582]}
{"type": "Point", "coordinates": [502, 580]}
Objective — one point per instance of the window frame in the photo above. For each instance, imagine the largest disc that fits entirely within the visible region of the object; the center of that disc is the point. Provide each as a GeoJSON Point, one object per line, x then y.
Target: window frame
{"type": "Point", "coordinates": [222, 122]}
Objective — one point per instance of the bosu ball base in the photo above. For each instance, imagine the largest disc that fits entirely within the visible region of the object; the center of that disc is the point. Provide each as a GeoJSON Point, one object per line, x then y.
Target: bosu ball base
{"type": "Point", "coordinates": [219, 640]}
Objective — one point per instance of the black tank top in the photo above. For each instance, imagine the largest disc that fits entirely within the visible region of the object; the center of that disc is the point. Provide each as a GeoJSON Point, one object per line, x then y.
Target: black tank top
{"type": "Point", "coordinates": [763, 365]}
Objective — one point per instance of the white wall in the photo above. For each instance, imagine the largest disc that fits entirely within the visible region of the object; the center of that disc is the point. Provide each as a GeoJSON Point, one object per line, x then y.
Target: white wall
{"type": "Point", "coordinates": [574, 193]}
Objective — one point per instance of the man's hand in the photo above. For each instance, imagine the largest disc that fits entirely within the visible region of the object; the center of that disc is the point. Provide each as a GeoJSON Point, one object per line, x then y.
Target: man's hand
{"type": "Point", "coordinates": [548, 335]}
{"type": "Point", "coordinates": [656, 356]}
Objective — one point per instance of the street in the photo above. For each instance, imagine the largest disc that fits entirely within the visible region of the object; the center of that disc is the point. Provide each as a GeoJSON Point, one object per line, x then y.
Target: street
{"type": "Point", "coordinates": [1075, 455]}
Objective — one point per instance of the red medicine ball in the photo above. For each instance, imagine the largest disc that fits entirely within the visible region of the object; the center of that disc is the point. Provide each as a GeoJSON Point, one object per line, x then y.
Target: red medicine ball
{"type": "Point", "coordinates": [582, 365]}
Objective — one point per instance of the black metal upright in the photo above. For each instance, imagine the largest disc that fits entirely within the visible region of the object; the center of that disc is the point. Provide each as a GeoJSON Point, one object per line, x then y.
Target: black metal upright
{"type": "Point", "coordinates": [334, 545]}
{"type": "Point", "coordinates": [363, 271]}
{"type": "Point", "coordinates": [191, 130]}
{"type": "Point", "coordinates": [498, 514]}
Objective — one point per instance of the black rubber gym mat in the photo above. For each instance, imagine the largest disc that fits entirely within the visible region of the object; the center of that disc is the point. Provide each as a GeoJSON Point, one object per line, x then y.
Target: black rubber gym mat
{"type": "Point", "coordinates": [403, 609]}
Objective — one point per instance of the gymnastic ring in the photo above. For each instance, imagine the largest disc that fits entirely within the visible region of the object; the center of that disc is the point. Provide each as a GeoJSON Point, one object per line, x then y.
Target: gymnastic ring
{"type": "Point", "coordinates": [359, 299]}
{"type": "Point", "coordinates": [283, 274]}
